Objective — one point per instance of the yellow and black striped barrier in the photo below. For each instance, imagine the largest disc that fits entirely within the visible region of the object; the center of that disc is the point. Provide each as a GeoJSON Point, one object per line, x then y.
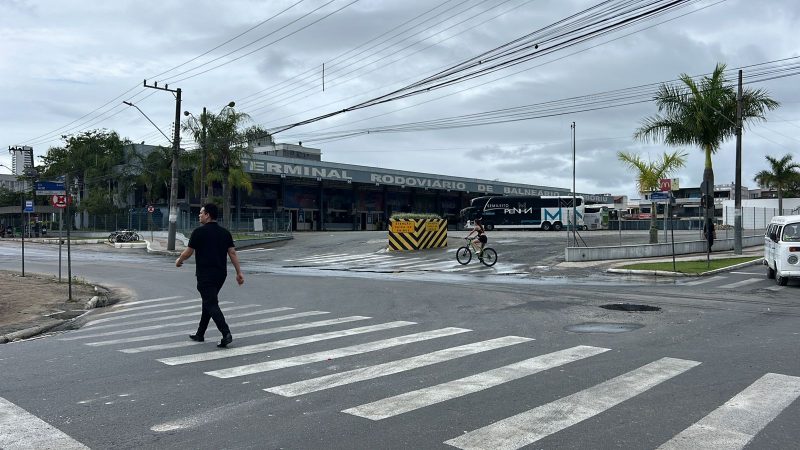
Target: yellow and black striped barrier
{"type": "Point", "coordinates": [417, 234]}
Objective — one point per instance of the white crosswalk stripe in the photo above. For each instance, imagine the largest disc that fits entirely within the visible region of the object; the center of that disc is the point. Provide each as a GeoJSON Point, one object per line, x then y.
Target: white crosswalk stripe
{"type": "Point", "coordinates": [187, 322]}
{"type": "Point", "coordinates": [530, 426]}
{"type": "Point", "coordinates": [734, 424]}
{"type": "Point", "coordinates": [334, 354]}
{"type": "Point", "coordinates": [93, 324]}
{"type": "Point", "coordinates": [267, 346]}
{"type": "Point", "coordinates": [139, 302]}
{"type": "Point", "coordinates": [414, 400]}
{"type": "Point", "coordinates": [198, 309]}
{"type": "Point", "coordinates": [390, 368]}
{"type": "Point", "coordinates": [739, 284]}
{"type": "Point", "coordinates": [261, 332]}
{"type": "Point", "coordinates": [20, 429]}
{"type": "Point", "coordinates": [122, 312]}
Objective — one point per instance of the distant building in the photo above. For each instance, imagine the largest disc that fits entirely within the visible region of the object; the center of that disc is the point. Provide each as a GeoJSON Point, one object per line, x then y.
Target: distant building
{"type": "Point", "coordinates": [21, 159]}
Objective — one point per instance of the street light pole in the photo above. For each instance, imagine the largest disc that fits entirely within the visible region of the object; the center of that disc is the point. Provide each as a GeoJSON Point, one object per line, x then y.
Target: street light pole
{"type": "Point", "coordinates": [737, 197]}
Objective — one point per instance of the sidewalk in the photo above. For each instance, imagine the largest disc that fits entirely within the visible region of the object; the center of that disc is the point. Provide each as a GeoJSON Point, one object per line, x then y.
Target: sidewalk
{"type": "Point", "coordinates": [613, 265]}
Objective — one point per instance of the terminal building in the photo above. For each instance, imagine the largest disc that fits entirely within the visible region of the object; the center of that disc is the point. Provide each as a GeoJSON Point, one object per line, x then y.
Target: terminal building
{"type": "Point", "coordinates": [322, 195]}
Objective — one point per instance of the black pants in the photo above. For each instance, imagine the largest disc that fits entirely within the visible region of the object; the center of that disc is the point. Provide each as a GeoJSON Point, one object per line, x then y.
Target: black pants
{"type": "Point", "coordinates": [209, 288]}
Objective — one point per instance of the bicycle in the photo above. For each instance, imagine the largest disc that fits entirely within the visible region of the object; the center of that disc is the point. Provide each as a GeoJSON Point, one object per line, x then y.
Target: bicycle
{"type": "Point", "coordinates": [123, 236]}
{"type": "Point", "coordinates": [464, 254]}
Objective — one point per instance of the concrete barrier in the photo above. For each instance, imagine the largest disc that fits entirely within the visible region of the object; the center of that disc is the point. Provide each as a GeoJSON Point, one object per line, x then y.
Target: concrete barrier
{"type": "Point", "coordinates": [579, 254]}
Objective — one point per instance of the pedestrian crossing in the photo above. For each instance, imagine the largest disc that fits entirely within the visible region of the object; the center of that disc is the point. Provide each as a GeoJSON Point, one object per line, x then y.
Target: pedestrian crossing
{"type": "Point", "coordinates": [386, 262]}
{"type": "Point", "coordinates": [731, 425]}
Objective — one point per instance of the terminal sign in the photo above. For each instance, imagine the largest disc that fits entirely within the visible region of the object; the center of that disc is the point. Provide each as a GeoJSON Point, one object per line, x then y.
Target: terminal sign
{"type": "Point", "coordinates": [403, 227]}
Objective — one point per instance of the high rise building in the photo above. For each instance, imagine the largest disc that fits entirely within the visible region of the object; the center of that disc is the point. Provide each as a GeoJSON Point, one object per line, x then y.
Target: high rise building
{"type": "Point", "coordinates": [21, 159]}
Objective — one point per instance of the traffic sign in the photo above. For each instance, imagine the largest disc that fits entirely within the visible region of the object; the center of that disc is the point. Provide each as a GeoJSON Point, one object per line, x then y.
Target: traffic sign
{"type": "Point", "coordinates": [150, 209]}
{"type": "Point", "coordinates": [49, 188]}
{"type": "Point", "coordinates": [659, 196]}
{"type": "Point", "coordinates": [60, 201]}
{"type": "Point", "coordinates": [28, 206]}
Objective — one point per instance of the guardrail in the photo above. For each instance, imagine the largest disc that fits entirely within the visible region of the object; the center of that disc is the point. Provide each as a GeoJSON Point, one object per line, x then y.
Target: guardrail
{"type": "Point", "coordinates": [581, 254]}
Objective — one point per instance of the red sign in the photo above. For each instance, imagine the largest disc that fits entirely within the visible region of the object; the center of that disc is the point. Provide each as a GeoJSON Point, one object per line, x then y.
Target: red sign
{"type": "Point", "coordinates": [666, 184]}
{"type": "Point", "coordinates": [60, 201]}
{"type": "Point", "coordinates": [150, 208]}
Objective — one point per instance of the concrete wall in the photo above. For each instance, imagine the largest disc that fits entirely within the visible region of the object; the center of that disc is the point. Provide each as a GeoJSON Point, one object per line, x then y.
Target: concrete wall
{"type": "Point", "coordinates": [574, 254]}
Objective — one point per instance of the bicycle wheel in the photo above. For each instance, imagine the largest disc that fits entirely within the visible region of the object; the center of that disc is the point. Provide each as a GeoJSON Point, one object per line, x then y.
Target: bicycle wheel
{"type": "Point", "coordinates": [489, 257]}
{"type": "Point", "coordinates": [463, 255]}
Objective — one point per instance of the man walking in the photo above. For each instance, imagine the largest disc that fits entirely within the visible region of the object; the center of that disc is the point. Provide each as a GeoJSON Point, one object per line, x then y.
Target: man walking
{"type": "Point", "coordinates": [213, 245]}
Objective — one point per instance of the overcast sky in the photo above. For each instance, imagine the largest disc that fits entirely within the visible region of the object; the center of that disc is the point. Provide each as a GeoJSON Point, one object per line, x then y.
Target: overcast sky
{"type": "Point", "coordinates": [61, 60]}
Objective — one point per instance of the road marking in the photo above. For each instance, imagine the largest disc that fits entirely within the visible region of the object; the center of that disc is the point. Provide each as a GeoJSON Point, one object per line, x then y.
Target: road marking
{"type": "Point", "coordinates": [741, 283]}
{"type": "Point", "coordinates": [748, 273]}
{"type": "Point", "coordinates": [197, 310]}
{"type": "Point", "coordinates": [139, 308]}
{"type": "Point", "coordinates": [393, 367]}
{"type": "Point", "coordinates": [254, 250]}
{"type": "Point", "coordinates": [20, 429]}
{"type": "Point", "coordinates": [410, 401]}
{"type": "Point", "coordinates": [299, 326]}
{"type": "Point", "coordinates": [274, 345]}
{"type": "Point", "coordinates": [318, 256]}
{"type": "Point", "coordinates": [734, 424]}
{"type": "Point", "coordinates": [147, 313]}
{"type": "Point", "coordinates": [328, 355]}
{"type": "Point", "coordinates": [704, 280]}
{"type": "Point", "coordinates": [138, 302]}
{"type": "Point", "coordinates": [173, 324]}
{"type": "Point", "coordinates": [535, 424]}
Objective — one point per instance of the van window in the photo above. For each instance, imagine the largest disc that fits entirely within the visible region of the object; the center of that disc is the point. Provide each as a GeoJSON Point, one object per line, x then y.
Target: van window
{"type": "Point", "coordinates": [791, 232]}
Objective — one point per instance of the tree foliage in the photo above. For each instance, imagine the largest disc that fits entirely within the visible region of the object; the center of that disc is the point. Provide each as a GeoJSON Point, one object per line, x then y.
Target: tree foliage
{"type": "Point", "coordinates": [782, 176]}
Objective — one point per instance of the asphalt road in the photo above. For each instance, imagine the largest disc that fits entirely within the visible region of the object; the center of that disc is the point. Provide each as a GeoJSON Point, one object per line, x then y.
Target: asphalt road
{"type": "Point", "coordinates": [380, 350]}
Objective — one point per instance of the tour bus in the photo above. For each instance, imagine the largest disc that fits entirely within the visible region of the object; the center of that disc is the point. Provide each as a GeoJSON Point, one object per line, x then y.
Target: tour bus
{"type": "Point", "coordinates": [525, 212]}
{"type": "Point", "coordinates": [782, 248]}
{"type": "Point", "coordinates": [595, 217]}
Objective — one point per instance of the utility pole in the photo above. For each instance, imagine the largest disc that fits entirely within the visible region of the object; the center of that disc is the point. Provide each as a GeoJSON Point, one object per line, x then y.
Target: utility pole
{"type": "Point", "coordinates": [203, 120]}
{"type": "Point", "coordinates": [574, 206]}
{"type": "Point", "coordinates": [737, 221]}
{"type": "Point", "coordinates": [176, 143]}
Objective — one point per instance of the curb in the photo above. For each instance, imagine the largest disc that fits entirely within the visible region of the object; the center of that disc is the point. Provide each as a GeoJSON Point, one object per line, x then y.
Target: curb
{"type": "Point", "coordinates": [664, 273]}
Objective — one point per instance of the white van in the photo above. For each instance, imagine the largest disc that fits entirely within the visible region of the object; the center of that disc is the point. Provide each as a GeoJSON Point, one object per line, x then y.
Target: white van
{"type": "Point", "coordinates": [782, 248]}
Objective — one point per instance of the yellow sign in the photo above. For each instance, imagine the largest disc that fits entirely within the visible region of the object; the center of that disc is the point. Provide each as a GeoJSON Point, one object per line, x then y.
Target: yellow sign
{"type": "Point", "coordinates": [432, 226]}
{"type": "Point", "coordinates": [403, 227]}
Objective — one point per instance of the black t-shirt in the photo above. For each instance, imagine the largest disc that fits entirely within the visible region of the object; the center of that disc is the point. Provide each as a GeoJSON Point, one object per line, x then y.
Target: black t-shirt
{"type": "Point", "coordinates": [211, 243]}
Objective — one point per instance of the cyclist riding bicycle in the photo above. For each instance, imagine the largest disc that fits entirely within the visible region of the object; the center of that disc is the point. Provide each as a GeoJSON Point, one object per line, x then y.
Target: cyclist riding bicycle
{"type": "Point", "coordinates": [480, 238]}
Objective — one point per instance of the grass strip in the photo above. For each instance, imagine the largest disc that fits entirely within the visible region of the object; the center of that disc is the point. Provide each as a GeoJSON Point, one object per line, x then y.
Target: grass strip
{"type": "Point", "coordinates": [692, 266]}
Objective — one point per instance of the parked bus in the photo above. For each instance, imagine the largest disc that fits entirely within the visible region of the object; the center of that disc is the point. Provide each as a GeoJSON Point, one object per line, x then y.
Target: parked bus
{"type": "Point", "coordinates": [525, 212]}
{"type": "Point", "coordinates": [595, 217]}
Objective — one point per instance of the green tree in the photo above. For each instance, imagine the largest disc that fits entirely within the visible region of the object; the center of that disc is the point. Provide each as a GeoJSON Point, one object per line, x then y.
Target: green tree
{"type": "Point", "coordinates": [702, 114]}
{"type": "Point", "coordinates": [154, 173]}
{"type": "Point", "coordinates": [781, 175]}
{"type": "Point", "coordinates": [649, 174]}
{"type": "Point", "coordinates": [226, 144]}
{"type": "Point", "coordinates": [96, 160]}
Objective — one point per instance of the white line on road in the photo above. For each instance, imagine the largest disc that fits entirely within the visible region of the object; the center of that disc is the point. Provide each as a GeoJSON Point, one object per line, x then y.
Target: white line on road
{"type": "Point", "coordinates": [172, 324]}
{"type": "Point", "coordinates": [334, 353]}
{"type": "Point", "coordinates": [704, 280]}
{"type": "Point", "coordinates": [741, 283]}
{"type": "Point", "coordinates": [393, 367]}
{"type": "Point", "coordinates": [776, 288]}
{"type": "Point", "coordinates": [530, 426]}
{"type": "Point", "coordinates": [267, 346]}
{"type": "Point", "coordinates": [299, 326]}
{"type": "Point", "coordinates": [410, 401]}
{"type": "Point", "coordinates": [148, 313]}
{"type": "Point", "coordinates": [734, 424]}
{"type": "Point", "coordinates": [138, 302]}
{"type": "Point", "coordinates": [20, 429]}
{"type": "Point", "coordinates": [139, 308]}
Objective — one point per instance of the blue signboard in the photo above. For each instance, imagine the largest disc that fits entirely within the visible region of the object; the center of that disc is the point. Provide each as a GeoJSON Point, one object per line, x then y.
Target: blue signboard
{"type": "Point", "coordinates": [659, 196]}
{"type": "Point", "coordinates": [49, 188]}
{"type": "Point", "coordinates": [28, 206]}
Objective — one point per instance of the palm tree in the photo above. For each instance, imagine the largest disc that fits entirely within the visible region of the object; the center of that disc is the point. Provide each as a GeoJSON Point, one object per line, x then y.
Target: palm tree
{"type": "Point", "coordinates": [782, 173]}
{"type": "Point", "coordinates": [649, 176]}
{"type": "Point", "coordinates": [227, 147]}
{"type": "Point", "coordinates": [702, 114]}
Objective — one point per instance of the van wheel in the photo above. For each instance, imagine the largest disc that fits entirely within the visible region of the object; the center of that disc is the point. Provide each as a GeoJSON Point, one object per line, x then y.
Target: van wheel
{"type": "Point", "coordinates": [546, 226]}
{"type": "Point", "coordinates": [770, 272]}
{"type": "Point", "coordinates": [489, 227]}
{"type": "Point", "coordinates": [780, 280]}
{"type": "Point", "coordinates": [557, 226]}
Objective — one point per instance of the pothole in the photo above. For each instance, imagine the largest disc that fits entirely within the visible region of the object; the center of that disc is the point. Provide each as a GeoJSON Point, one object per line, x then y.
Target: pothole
{"type": "Point", "coordinates": [598, 327]}
{"type": "Point", "coordinates": [630, 307]}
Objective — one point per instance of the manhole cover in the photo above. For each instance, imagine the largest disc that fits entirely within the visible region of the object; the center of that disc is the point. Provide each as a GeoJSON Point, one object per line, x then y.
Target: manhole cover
{"type": "Point", "coordinates": [597, 327]}
{"type": "Point", "coordinates": [630, 307]}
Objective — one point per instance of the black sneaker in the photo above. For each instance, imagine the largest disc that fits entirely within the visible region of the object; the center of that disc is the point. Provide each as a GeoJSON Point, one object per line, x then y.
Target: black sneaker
{"type": "Point", "coordinates": [196, 338]}
{"type": "Point", "coordinates": [227, 339]}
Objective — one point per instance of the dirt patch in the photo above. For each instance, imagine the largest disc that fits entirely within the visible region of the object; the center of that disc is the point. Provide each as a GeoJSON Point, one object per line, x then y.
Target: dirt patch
{"type": "Point", "coordinates": [38, 300]}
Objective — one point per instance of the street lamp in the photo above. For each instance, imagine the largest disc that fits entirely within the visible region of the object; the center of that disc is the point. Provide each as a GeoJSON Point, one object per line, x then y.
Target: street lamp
{"type": "Point", "coordinates": [203, 144]}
